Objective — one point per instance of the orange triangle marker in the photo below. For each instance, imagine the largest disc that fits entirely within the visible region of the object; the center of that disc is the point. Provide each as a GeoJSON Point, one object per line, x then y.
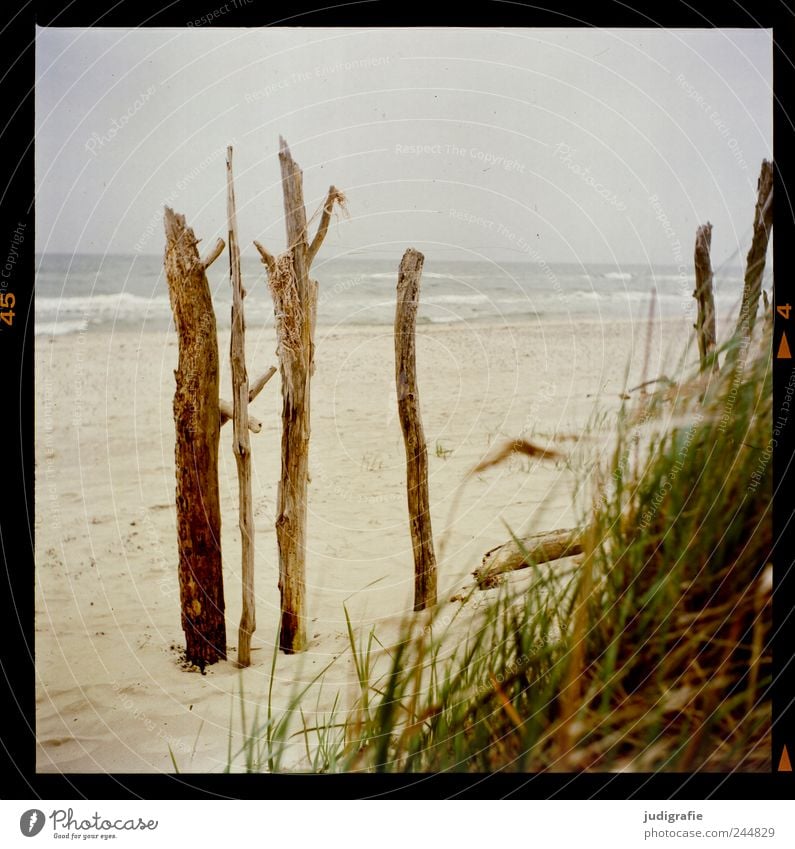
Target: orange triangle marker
{"type": "Point", "coordinates": [784, 765]}
{"type": "Point", "coordinates": [783, 349]}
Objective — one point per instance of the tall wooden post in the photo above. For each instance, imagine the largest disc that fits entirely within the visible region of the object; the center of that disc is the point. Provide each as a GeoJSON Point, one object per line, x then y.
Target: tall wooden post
{"type": "Point", "coordinates": [197, 419]}
{"type": "Point", "coordinates": [240, 424]}
{"type": "Point", "coordinates": [295, 303]}
{"type": "Point", "coordinates": [705, 322]}
{"type": "Point", "coordinates": [755, 262]}
{"type": "Point", "coordinates": [408, 295]}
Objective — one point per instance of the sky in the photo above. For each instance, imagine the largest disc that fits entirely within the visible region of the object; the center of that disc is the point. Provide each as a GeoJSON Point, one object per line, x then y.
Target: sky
{"type": "Point", "coordinates": [558, 145]}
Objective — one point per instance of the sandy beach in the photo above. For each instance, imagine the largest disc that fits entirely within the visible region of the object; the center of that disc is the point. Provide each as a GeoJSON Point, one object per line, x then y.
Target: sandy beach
{"type": "Point", "coordinates": [111, 695]}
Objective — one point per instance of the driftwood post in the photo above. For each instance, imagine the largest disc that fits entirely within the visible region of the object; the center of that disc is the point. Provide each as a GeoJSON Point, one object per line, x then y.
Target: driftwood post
{"type": "Point", "coordinates": [295, 302]}
{"type": "Point", "coordinates": [408, 294]}
{"type": "Point", "coordinates": [197, 419]}
{"type": "Point", "coordinates": [705, 322]}
{"type": "Point", "coordinates": [755, 262]}
{"type": "Point", "coordinates": [240, 424]}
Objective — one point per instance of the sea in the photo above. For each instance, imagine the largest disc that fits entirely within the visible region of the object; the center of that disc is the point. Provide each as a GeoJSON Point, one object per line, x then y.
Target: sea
{"type": "Point", "coordinates": [84, 292]}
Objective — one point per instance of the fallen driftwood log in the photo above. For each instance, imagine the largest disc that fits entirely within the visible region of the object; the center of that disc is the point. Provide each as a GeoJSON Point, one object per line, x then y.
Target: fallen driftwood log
{"type": "Point", "coordinates": [527, 551]}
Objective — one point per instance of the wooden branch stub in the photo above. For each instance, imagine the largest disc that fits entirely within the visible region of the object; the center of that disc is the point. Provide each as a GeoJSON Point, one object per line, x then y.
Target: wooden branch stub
{"type": "Point", "coordinates": [334, 195]}
{"type": "Point", "coordinates": [528, 551]}
{"type": "Point", "coordinates": [212, 255]}
{"type": "Point", "coordinates": [268, 259]}
{"type": "Point", "coordinates": [227, 408]}
{"type": "Point", "coordinates": [197, 425]}
{"type": "Point", "coordinates": [240, 422]}
{"type": "Point", "coordinates": [259, 384]}
{"type": "Point", "coordinates": [408, 290]}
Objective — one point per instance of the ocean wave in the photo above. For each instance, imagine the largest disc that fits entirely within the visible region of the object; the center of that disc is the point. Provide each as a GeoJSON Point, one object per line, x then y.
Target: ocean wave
{"type": "Point", "coordinates": [59, 328]}
{"type": "Point", "coordinates": [444, 319]}
{"type": "Point", "coordinates": [618, 275]}
{"type": "Point", "coordinates": [120, 304]}
{"type": "Point", "coordinates": [456, 299]}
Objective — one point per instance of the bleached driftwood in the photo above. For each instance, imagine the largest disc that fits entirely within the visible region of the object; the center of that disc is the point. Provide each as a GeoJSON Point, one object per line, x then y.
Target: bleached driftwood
{"type": "Point", "coordinates": [240, 424]}
{"type": "Point", "coordinates": [228, 413]}
{"type": "Point", "coordinates": [267, 258]}
{"type": "Point", "coordinates": [527, 551]}
{"type": "Point", "coordinates": [408, 293]}
{"type": "Point", "coordinates": [212, 255]}
{"type": "Point", "coordinates": [295, 303]}
{"type": "Point", "coordinates": [334, 196]}
{"type": "Point", "coordinates": [226, 407]}
{"type": "Point", "coordinates": [197, 421]}
{"type": "Point", "coordinates": [258, 385]}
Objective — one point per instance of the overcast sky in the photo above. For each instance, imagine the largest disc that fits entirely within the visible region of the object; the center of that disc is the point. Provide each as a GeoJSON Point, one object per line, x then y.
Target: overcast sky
{"type": "Point", "coordinates": [581, 145]}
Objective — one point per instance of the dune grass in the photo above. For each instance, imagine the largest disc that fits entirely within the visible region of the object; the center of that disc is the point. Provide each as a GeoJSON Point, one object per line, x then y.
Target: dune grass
{"type": "Point", "coordinates": [651, 651]}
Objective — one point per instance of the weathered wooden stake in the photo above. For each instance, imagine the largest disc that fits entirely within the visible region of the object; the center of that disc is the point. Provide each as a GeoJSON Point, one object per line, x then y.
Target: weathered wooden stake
{"type": "Point", "coordinates": [240, 424]}
{"type": "Point", "coordinates": [755, 262]}
{"type": "Point", "coordinates": [408, 294]}
{"type": "Point", "coordinates": [705, 321]}
{"type": "Point", "coordinates": [295, 304]}
{"type": "Point", "coordinates": [198, 421]}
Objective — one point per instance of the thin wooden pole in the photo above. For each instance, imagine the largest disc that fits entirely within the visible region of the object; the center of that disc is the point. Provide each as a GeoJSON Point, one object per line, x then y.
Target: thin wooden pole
{"type": "Point", "coordinates": [755, 262]}
{"type": "Point", "coordinates": [408, 294]}
{"type": "Point", "coordinates": [240, 424]}
{"type": "Point", "coordinates": [705, 321]}
{"type": "Point", "coordinates": [198, 421]}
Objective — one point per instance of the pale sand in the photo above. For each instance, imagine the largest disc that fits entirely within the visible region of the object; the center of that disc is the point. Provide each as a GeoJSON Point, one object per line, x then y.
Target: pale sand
{"type": "Point", "coordinates": [111, 696]}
